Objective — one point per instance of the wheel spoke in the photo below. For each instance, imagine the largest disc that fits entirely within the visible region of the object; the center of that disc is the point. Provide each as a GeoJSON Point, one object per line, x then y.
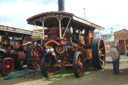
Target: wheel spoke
{"type": "Point", "coordinates": [102, 61]}
{"type": "Point", "coordinates": [5, 67]}
{"type": "Point", "coordinates": [103, 55]}
{"type": "Point", "coordinates": [80, 65]}
{"type": "Point", "coordinates": [101, 49]}
{"type": "Point", "coordinates": [50, 71]}
{"type": "Point", "coordinates": [7, 62]}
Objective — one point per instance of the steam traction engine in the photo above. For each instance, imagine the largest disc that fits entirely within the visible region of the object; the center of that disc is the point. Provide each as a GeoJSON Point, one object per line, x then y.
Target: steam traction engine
{"type": "Point", "coordinates": [14, 43]}
{"type": "Point", "coordinates": [68, 41]}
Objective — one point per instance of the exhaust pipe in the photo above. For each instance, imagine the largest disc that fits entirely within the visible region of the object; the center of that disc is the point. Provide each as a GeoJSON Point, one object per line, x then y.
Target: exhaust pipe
{"type": "Point", "coordinates": [61, 5]}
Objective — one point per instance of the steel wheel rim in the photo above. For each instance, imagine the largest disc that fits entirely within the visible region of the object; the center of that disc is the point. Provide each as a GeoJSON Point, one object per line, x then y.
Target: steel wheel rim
{"type": "Point", "coordinates": [102, 54]}
{"type": "Point", "coordinates": [7, 67]}
{"type": "Point", "coordinates": [80, 65]}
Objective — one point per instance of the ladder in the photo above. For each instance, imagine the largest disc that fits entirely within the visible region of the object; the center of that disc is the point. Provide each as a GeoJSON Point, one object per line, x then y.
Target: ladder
{"type": "Point", "coordinates": [31, 62]}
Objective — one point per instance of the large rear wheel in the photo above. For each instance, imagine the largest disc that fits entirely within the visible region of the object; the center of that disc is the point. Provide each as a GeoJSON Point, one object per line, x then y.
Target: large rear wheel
{"type": "Point", "coordinates": [78, 64]}
{"type": "Point", "coordinates": [47, 68]}
{"type": "Point", "coordinates": [6, 66]}
{"type": "Point", "coordinates": [98, 52]}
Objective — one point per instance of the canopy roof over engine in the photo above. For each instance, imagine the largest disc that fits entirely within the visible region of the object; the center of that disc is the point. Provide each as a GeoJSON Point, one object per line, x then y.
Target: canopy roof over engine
{"type": "Point", "coordinates": [17, 31]}
{"type": "Point", "coordinates": [49, 18]}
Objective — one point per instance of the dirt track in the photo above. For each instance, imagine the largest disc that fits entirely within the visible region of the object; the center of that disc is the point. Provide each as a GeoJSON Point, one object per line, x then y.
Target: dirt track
{"type": "Point", "coordinates": [91, 77]}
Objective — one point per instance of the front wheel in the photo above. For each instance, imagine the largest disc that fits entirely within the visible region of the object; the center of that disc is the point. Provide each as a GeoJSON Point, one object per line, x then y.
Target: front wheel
{"type": "Point", "coordinates": [47, 68]}
{"type": "Point", "coordinates": [78, 64]}
{"type": "Point", "coordinates": [6, 66]}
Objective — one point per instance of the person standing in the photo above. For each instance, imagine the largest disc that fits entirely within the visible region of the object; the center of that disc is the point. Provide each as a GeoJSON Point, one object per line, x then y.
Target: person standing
{"type": "Point", "coordinates": [118, 48]}
{"type": "Point", "coordinates": [118, 60]}
{"type": "Point", "coordinates": [115, 55]}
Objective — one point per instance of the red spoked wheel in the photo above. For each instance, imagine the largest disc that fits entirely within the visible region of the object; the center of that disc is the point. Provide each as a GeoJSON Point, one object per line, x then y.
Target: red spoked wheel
{"type": "Point", "coordinates": [47, 68]}
{"type": "Point", "coordinates": [78, 64]}
{"type": "Point", "coordinates": [6, 66]}
{"type": "Point", "coordinates": [34, 55]}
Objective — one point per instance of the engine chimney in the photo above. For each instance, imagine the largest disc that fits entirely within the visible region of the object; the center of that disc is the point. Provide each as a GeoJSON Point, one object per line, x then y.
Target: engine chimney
{"type": "Point", "coordinates": [61, 5]}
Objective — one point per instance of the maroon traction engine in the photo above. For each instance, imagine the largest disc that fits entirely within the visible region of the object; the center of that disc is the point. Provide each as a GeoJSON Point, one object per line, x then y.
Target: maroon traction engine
{"type": "Point", "coordinates": [14, 43]}
{"type": "Point", "coordinates": [68, 41]}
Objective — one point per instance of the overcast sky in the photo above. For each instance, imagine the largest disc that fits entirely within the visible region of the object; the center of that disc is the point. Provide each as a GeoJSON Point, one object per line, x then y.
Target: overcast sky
{"type": "Point", "coordinates": [106, 13]}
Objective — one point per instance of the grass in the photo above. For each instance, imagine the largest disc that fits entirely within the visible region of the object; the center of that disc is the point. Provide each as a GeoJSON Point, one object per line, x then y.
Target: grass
{"type": "Point", "coordinates": [107, 52]}
{"type": "Point", "coordinates": [66, 73]}
{"type": "Point", "coordinates": [62, 73]}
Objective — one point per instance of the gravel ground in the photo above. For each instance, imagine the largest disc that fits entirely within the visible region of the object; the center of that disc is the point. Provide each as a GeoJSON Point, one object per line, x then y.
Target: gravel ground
{"type": "Point", "coordinates": [91, 77]}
